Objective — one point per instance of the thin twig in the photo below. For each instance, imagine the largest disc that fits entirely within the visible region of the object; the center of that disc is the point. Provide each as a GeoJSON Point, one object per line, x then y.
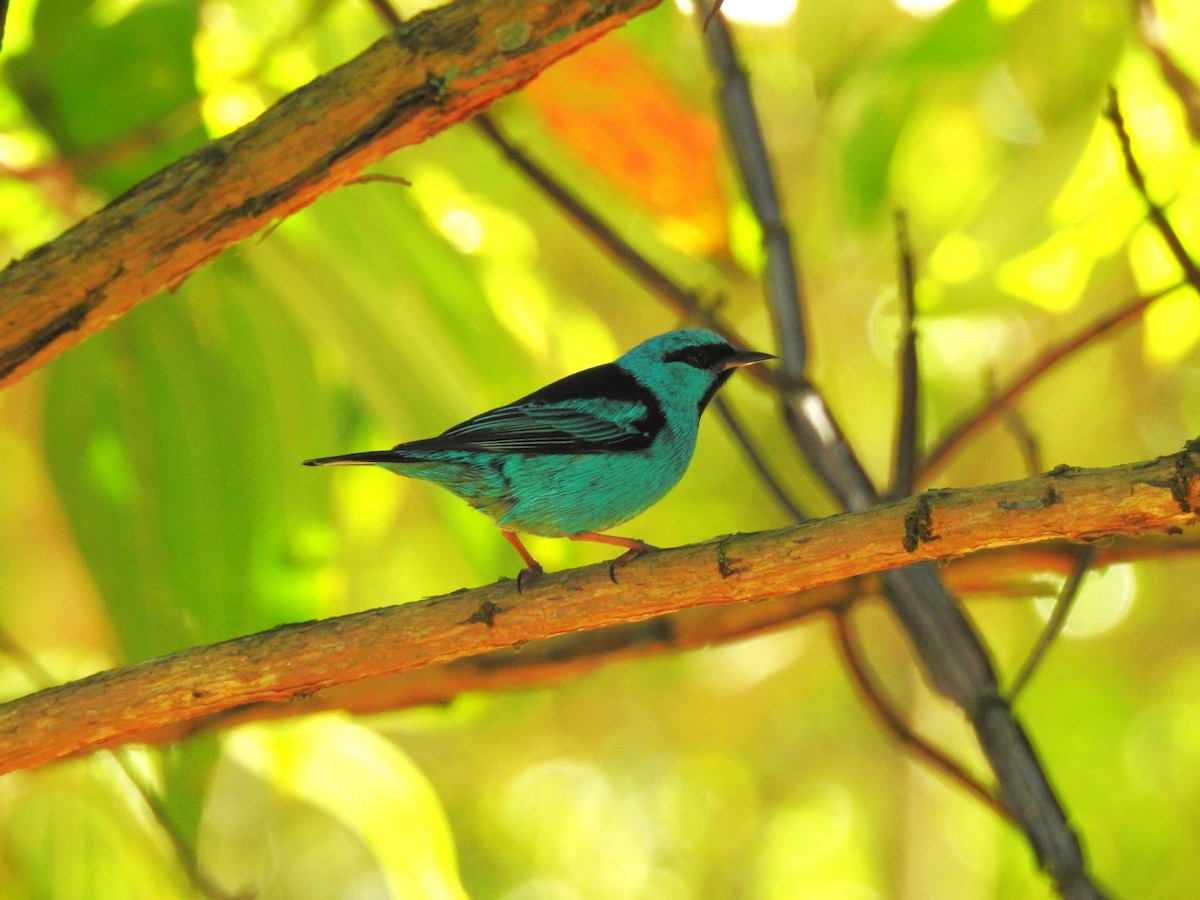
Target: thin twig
{"type": "Point", "coordinates": [976, 422]}
{"type": "Point", "coordinates": [1156, 213]}
{"type": "Point", "coordinates": [765, 473]}
{"type": "Point", "coordinates": [390, 15]}
{"type": "Point", "coordinates": [908, 428]}
{"type": "Point", "coordinates": [684, 303]}
{"type": "Point", "coordinates": [1058, 618]}
{"type": "Point", "coordinates": [806, 413]}
{"type": "Point", "coordinates": [1173, 74]}
{"type": "Point", "coordinates": [873, 694]}
{"type": "Point", "coordinates": [373, 177]}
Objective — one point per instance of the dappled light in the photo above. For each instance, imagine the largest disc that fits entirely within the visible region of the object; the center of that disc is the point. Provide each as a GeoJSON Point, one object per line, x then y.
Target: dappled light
{"type": "Point", "coordinates": [154, 499]}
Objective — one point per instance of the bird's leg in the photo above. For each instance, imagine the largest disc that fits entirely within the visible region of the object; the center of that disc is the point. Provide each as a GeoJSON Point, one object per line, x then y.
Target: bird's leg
{"type": "Point", "coordinates": [635, 548]}
{"type": "Point", "coordinates": [532, 569]}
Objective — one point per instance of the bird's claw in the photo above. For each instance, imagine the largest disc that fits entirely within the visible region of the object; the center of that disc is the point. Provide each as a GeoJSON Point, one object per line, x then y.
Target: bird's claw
{"type": "Point", "coordinates": [529, 573]}
{"type": "Point", "coordinates": [630, 554]}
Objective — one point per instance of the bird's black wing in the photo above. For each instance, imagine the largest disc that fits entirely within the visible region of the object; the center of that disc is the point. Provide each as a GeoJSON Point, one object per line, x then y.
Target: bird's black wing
{"type": "Point", "coordinates": [598, 410]}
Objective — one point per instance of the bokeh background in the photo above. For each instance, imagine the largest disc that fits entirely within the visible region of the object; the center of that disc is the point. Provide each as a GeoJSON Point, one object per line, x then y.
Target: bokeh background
{"type": "Point", "coordinates": [152, 499]}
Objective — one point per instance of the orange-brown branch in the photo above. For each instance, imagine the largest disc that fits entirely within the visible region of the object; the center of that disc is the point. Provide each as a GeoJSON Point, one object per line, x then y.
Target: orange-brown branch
{"type": "Point", "coordinates": [438, 69]}
{"type": "Point", "coordinates": [112, 708]}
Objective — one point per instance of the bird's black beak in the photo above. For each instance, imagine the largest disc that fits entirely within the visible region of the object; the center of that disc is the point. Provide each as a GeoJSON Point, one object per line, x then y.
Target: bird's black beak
{"type": "Point", "coordinates": [740, 358]}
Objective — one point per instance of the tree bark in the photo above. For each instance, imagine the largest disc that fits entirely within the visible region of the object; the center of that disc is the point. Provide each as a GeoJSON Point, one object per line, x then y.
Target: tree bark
{"type": "Point", "coordinates": [115, 707]}
{"type": "Point", "coordinates": [441, 67]}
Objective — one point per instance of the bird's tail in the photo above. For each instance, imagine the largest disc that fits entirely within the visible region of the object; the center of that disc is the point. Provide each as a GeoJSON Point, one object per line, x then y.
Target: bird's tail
{"type": "Point", "coordinates": [367, 458]}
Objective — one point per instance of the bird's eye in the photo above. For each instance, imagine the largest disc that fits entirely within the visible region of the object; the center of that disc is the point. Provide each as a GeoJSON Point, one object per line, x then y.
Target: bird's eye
{"type": "Point", "coordinates": [696, 357]}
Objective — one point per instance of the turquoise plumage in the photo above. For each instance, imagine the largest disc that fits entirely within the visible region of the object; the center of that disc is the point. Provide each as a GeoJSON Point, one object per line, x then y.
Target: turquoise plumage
{"type": "Point", "coordinates": [583, 454]}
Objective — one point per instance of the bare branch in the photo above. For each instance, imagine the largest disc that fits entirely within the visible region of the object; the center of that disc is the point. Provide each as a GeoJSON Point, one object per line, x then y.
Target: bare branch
{"type": "Point", "coordinates": [971, 426]}
{"type": "Point", "coordinates": [441, 67]}
{"type": "Point", "coordinates": [1054, 625]}
{"type": "Point", "coordinates": [109, 708]}
{"type": "Point", "coordinates": [996, 574]}
{"type": "Point", "coordinates": [1156, 213]}
{"type": "Point", "coordinates": [908, 429]}
{"type": "Point", "coordinates": [873, 695]}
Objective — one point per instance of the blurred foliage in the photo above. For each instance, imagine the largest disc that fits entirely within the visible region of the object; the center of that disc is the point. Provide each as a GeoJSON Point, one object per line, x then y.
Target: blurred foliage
{"type": "Point", "coordinates": [153, 498]}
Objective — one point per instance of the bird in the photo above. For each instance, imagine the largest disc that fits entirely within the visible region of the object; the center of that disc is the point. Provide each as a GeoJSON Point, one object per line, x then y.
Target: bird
{"type": "Point", "coordinates": [583, 454]}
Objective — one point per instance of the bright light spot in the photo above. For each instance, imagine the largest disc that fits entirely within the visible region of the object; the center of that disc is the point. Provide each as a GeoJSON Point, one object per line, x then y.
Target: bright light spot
{"type": "Point", "coordinates": [18, 152]}
{"type": "Point", "coordinates": [923, 9]}
{"type": "Point", "coordinates": [108, 12]}
{"type": "Point", "coordinates": [1162, 750]}
{"type": "Point", "coordinates": [1007, 9]}
{"type": "Point", "coordinates": [957, 258]}
{"type": "Point", "coordinates": [463, 229]}
{"type": "Point", "coordinates": [1154, 267]}
{"type": "Point", "coordinates": [227, 110]}
{"type": "Point", "coordinates": [1006, 111]}
{"type": "Point", "coordinates": [749, 12]}
{"type": "Point", "coordinates": [522, 305]}
{"type": "Point", "coordinates": [1097, 180]}
{"type": "Point", "coordinates": [1104, 600]}
{"type": "Point", "coordinates": [1172, 328]}
{"type": "Point", "coordinates": [1052, 275]}
{"type": "Point", "coordinates": [950, 342]}
{"type": "Point", "coordinates": [746, 238]}
{"type": "Point", "coordinates": [738, 667]}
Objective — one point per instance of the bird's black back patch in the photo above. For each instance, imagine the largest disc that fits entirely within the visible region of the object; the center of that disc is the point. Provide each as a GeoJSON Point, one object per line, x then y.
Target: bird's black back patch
{"type": "Point", "coordinates": [607, 382]}
{"type": "Point", "coordinates": [556, 419]}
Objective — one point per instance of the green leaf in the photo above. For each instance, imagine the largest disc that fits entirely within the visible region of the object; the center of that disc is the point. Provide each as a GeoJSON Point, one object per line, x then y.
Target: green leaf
{"type": "Point", "coordinates": [146, 115]}
{"type": "Point", "coordinates": [322, 807]}
{"type": "Point", "coordinates": [174, 440]}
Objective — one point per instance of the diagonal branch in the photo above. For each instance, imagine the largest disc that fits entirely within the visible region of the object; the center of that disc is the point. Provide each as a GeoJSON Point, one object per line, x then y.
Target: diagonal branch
{"type": "Point", "coordinates": [995, 574]}
{"type": "Point", "coordinates": [439, 68]}
{"type": "Point", "coordinates": [872, 694]}
{"type": "Point", "coordinates": [111, 708]}
{"type": "Point", "coordinates": [974, 423]}
{"type": "Point", "coordinates": [1154, 211]}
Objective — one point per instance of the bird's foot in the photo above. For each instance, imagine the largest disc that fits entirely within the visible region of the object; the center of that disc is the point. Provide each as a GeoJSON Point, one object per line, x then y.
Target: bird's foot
{"type": "Point", "coordinates": [527, 575]}
{"type": "Point", "coordinates": [533, 568]}
{"type": "Point", "coordinates": [631, 554]}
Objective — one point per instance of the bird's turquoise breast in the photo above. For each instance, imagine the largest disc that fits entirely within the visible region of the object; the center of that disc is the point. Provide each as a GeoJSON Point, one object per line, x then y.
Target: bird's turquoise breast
{"type": "Point", "coordinates": [557, 495]}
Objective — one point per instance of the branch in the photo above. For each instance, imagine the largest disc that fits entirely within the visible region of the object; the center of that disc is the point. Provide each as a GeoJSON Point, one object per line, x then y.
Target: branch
{"type": "Point", "coordinates": [974, 423]}
{"type": "Point", "coordinates": [1156, 213]}
{"type": "Point", "coordinates": [438, 69]}
{"type": "Point", "coordinates": [1015, 572]}
{"type": "Point", "coordinates": [1178, 80]}
{"type": "Point", "coordinates": [1084, 561]}
{"type": "Point", "coordinates": [872, 694]}
{"type": "Point", "coordinates": [908, 415]}
{"type": "Point", "coordinates": [952, 653]}
{"type": "Point", "coordinates": [110, 708]}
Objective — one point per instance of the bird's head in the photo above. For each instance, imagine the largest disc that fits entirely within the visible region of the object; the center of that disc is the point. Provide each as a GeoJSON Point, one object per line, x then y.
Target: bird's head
{"type": "Point", "coordinates": [688, 365]}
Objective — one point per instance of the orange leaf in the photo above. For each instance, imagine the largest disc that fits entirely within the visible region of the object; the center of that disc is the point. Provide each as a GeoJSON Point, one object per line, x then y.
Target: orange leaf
{"type": "Point", "coordinates": [630, 126]}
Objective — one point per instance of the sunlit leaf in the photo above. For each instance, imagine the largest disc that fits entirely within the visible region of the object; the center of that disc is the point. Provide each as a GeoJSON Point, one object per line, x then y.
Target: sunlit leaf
{"type": "Point", "coordinates": [145, 116]}
{"type": "Point", "coordinates": [631, 127]}
{"type": "Point", "coordinates": [327, 808]}
{"type": "Point", "coordinates": [175, 440]}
